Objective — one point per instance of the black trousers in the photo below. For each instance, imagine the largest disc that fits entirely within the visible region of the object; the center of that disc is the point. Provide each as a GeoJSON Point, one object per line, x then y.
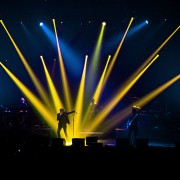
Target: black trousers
{"type": "Point", "coordinates": [64, 127]}
{"type": "Point", "coordinates": [132, 134]}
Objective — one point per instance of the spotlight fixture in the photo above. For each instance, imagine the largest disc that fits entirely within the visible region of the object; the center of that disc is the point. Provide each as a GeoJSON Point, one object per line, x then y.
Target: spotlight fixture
{"type": "Point", "coordinates": [103, 23]}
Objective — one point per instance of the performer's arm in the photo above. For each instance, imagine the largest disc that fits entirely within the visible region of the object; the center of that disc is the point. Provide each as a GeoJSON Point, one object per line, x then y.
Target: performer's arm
{"type": "Point", "coordinates": [71, 112]}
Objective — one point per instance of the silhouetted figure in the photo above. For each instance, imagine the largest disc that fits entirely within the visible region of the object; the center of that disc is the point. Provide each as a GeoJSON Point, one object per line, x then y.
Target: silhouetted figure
{"type": "Point", "coordinates": [92, 107]}
{"type": "Point", "coordinates": [23, 112]}
{"type": "Point", "coordinates": [132, 127]}
{"type": "Point", "coordinates": [63, 119]}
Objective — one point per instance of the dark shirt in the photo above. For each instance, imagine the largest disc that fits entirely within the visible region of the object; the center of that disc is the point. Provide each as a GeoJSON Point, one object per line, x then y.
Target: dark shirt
{"type": "Point", "coordinates": [23, 107]}
{"type": "Point", "coordinates": [63, 118]}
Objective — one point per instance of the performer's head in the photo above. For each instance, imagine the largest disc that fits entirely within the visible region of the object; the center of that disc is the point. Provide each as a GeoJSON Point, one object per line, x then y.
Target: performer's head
{"type": "Point", "coordinates": [61, 110]}
{"type": "Point", "coordinates": [22, 100]}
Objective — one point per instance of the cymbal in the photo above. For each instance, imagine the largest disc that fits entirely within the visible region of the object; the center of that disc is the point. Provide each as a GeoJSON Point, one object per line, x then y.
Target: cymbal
{"type": "Point", "coordinates": [136, 107]}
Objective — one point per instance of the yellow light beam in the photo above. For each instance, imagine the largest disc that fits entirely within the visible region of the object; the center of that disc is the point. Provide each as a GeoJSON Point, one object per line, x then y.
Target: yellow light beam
{"type": "Point", "coordinates": [99, 87]}
{"type": "Point", "coordinates": [132, 77]}
{"type": "Point", "coordinates": [97, 49]}
{"type": "Point", "coordinates": [36, 103]}
{"type": "Point", "coordinates": [123, 114]}
{"type": "Point", "coordinates": [117, 118]}
{"type": "Point", "coordinates": [79, 101]}
{"type": "Point", "coordinates": [155, 52]}
{"type": "Point", "coordinates": [95, 58]}
{"type": "Point", "coordinates": [35, 80]}
{"type": "Point", "coordinates": [116, 54]}
{"type": "Point", "coordinates": [144, 100]}
{"type": "Point", "coordinates": [55, 97]}
{"type": "Point", "coordinates": [68, 99]}
{"type": "Point", "coordinates": [119, 95]}
{"type": "Point", "coordinates": [97, 93]}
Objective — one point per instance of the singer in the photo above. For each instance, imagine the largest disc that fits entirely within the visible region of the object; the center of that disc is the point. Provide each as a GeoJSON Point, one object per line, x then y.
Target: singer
{"type": "Point", "coordinates": [63, 120]}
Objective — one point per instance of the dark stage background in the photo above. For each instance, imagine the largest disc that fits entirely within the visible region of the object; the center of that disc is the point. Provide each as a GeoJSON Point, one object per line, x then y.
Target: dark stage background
{"type": "Point", "coordinates": [79, 30]}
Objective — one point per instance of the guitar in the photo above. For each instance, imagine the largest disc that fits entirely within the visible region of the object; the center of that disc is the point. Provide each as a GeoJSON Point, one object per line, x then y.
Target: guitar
{"type": "Point", "coordinates": [130, 121]}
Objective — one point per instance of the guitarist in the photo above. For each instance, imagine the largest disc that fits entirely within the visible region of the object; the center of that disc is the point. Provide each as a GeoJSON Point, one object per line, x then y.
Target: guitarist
{"type": "Point", "coordinates": [132, 127]}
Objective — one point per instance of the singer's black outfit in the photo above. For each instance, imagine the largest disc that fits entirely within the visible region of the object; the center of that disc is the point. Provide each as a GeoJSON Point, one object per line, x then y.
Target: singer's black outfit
{"type": "Point", "coordinates": [63, 121]}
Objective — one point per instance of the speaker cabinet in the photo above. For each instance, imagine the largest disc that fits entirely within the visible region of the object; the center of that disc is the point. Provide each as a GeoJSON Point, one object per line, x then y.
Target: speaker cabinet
{"type": "Point", "coordinates": [78, 142]}
{"type": "Point", "coordinates": [58, 142]}
{"type": "Point", "coordinates": [91, 140]}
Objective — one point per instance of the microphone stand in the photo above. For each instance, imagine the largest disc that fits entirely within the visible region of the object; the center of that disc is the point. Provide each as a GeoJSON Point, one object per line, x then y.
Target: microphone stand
{"type": "Point", "coordinates": [73, 126]}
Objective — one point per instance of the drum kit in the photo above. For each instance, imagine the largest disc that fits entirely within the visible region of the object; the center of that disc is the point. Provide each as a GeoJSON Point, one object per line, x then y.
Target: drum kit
{"type": "Point", "coordinates": [155, 111]}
